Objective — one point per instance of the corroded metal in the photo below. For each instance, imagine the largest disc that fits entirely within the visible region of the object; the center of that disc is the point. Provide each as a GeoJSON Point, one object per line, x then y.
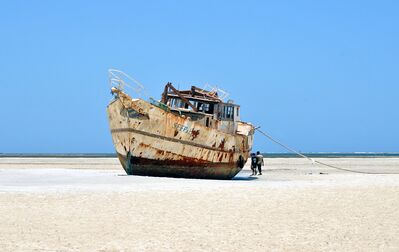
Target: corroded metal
{"type": "Point", "coordinates": [154, 141]}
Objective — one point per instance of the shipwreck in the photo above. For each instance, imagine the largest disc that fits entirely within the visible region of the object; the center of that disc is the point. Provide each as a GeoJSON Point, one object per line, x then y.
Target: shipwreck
{"type": "Point", "coordinates": [191, 133]}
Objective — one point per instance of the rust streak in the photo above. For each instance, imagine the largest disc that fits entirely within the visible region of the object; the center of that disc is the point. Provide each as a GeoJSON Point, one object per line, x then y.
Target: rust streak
{"type": "Point", "coordinates": [221, 145]}
{"type": "Point", "coordinates": [194, 134]}
{"type": "Point", "coordinates": [160, 152]}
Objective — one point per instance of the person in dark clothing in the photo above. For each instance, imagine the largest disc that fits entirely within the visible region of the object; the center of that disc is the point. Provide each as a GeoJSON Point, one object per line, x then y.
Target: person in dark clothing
{"type": "Point", "coordinates": [259, 162]}
{"type": "Point", "coordinates": [253, 163]}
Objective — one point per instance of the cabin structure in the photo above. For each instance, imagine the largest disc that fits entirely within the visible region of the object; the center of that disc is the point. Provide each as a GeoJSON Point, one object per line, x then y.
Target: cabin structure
{"type": "Point", "coordinates": [203, 106]}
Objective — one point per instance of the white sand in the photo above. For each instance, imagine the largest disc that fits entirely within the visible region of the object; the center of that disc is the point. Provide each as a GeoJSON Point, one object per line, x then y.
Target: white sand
{"type": "Point", "coordinates": [70, 204]}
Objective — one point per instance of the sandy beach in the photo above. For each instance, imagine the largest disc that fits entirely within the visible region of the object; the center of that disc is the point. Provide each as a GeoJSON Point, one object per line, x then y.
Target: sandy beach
{"type": "Point", "coordinates": [89, 204]}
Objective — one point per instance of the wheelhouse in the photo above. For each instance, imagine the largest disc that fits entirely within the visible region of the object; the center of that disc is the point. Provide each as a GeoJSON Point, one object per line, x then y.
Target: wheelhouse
{"type": "Point", "coordinates": [203, 106]}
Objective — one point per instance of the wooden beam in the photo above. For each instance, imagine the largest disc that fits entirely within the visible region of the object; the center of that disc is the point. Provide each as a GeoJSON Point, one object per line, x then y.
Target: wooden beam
{"type": "Point", "coordinates": [165, 94]}
{"type": "Point", "coordinates": [184, 99]}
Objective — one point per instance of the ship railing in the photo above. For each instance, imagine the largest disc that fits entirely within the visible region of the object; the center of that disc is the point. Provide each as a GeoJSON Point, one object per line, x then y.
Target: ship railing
{"type": "Point", "coordinates": [216, 92]}
{"type": "Point", "coordinates": [124, 82]}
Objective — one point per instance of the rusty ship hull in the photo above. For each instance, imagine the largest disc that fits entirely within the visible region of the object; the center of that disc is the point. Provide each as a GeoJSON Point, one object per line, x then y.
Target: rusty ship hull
{"type": "Point", "coordinates": [150, 140]}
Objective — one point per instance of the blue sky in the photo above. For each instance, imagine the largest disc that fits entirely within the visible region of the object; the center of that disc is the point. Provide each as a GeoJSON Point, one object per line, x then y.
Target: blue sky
{"type": "Point", "coordinates": [322, 76]}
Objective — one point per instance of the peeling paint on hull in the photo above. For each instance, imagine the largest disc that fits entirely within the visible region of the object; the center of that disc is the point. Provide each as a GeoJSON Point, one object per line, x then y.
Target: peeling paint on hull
{"type": "Point", "coordinates": [150, 141]}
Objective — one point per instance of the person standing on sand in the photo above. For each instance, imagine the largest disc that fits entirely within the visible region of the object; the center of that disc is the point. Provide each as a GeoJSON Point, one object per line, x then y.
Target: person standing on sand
{"type": "Point", "coordinates": [253, 163]}
{"type": "Point", "coordinates": [259, 162]}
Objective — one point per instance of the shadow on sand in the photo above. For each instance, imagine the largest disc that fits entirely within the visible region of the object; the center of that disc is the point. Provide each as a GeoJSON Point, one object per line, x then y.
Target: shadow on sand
{"type": "Point", "coordinates": [244, 178]}
{"type": "Point", "coordinates": [236, 178]}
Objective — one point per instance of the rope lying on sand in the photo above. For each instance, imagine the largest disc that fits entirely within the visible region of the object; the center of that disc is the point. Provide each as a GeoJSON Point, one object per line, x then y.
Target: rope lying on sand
{"type": "Point", "coordinates": [311, 159]}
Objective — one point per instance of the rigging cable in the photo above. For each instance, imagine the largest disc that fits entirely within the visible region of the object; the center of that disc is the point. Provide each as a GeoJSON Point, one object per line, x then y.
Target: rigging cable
{"type": "Point", "coordinates": [311, 159]}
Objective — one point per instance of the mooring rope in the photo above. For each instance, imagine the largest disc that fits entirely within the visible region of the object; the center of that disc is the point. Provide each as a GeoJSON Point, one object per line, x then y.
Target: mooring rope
{"type": "Point", "coordinates": [311, 159]}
